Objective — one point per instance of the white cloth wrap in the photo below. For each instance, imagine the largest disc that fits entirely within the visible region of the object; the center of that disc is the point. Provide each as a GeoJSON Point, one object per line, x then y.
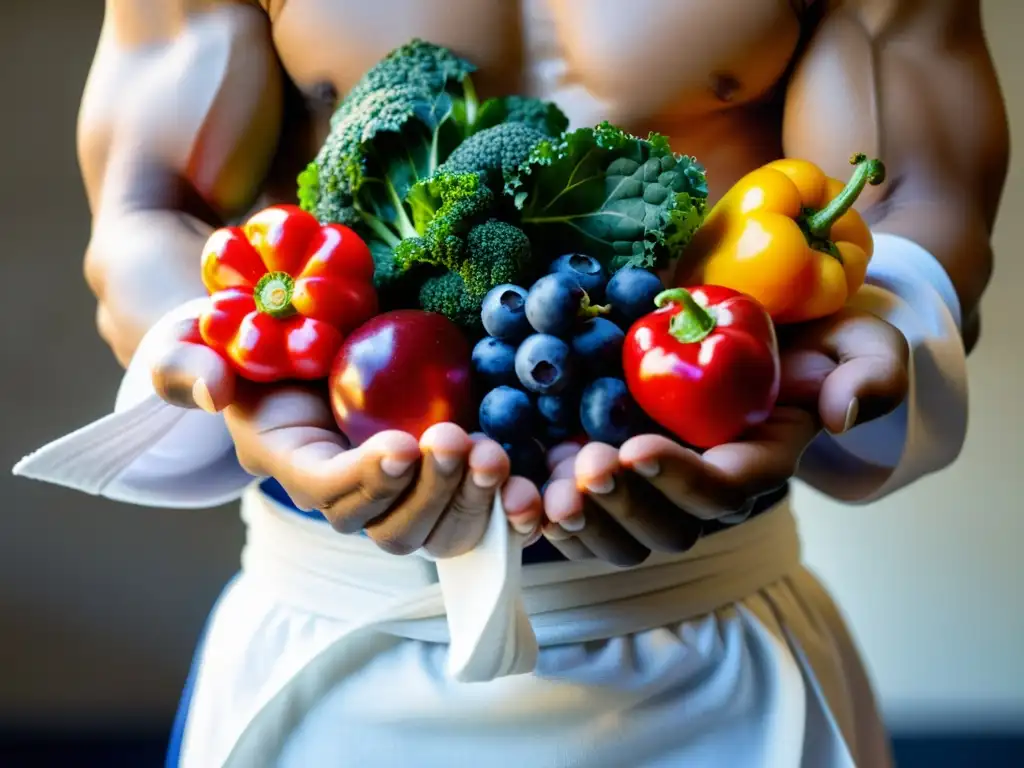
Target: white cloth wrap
{"type": "Point", "coordinates": [327, 651]}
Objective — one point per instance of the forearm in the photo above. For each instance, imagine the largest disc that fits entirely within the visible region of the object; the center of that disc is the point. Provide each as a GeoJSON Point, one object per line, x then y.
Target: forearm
{"type": "Point", "coordinates": [178, 124]}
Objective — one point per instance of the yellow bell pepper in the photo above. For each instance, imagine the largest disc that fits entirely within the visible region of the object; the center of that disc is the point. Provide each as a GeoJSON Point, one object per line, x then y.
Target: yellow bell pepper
{"type": "Point", "coordinates": [786, 235]}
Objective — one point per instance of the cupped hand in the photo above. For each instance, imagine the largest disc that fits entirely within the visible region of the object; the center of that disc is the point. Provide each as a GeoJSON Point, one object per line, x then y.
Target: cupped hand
{"type": "Point", "coordinates": [435, 493]}
{"type": "Point", "coordinates": [653, 494]}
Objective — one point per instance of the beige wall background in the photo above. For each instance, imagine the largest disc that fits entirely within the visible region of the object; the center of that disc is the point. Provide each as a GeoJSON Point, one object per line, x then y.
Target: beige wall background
{"type": "Point", "coordinates": [100, 603]}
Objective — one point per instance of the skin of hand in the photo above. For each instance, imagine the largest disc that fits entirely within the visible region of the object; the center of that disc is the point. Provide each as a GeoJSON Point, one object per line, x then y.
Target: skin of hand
{"type": "Point", "coordinates": [909, 69]}
{"type": "Point", "coordinates": [161, 173]}
{"type": "Point", "coordinates": [652, 494]}
{"type": "Point", "coordinates": [435, 493]}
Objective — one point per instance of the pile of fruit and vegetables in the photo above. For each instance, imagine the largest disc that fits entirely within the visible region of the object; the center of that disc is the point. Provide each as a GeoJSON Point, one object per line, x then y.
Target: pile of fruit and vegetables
{"type": "Point", "coordinates": [451, 259]}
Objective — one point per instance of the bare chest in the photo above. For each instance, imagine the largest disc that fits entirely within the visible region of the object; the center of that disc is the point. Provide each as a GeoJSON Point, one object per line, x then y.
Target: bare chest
{"type": "Point", "coordinates": [636, 62]}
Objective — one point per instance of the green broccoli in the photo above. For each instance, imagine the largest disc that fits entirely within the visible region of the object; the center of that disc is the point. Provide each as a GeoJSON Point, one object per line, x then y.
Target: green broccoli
{"type": "Point", "coordinates": [395, 127]}
{"type": "Point", "coordinates": [494, 152]}
{"type": "Point", "coordinates": [543, 116]}
{"type": "Point", "coordinates": [446, 294]}
{"type": "Point", "coordinates": [495, 252]}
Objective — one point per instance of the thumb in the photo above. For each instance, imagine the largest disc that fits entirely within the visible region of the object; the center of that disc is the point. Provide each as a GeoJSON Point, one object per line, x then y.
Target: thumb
{"type": "Point", "coordinates": [190, 374]}
{"type": "Point", "coordinates": [869, 378]}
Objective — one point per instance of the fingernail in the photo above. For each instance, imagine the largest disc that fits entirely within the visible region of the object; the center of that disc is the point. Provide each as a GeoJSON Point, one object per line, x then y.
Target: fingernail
{"type": "Point", "coordinates": [447, 462]}
{"type": "Point", "coordinates": [646, 467]}
{"type": "Point", "coordinates": [852, 411]}
{"type": "Point", "coordinates": [574, 523]}
{"type": "Point", "coordinates": [523, 526]}
{"type": "Point", "coordinates": [393, 467]}
{"type": "Point", "coordinates": [600, 485]}
{"type": "Point", "coordinates": [485, 479]}
{"type": "Point", "coordinates": [556, 533]}
{"type": "Point", "coordinates": [201, 396]}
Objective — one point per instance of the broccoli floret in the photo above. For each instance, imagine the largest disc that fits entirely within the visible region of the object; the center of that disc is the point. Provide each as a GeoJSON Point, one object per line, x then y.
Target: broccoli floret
{"type": "Point", "coordinates": [496, 253]}
{"type": "Point", "coordinates": [494, 152]}
{"type": "Point", "coordinates": [543, 116]}
{"type": "Point", "coordinates": [444, 208]}
{"type": "Point", "coordinates": [446, 294]}
{"type": "Point", "coordinates": [395, 127]}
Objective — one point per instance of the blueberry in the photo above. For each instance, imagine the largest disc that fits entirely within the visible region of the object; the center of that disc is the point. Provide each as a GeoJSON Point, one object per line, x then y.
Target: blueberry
{"type": "Point", "coordinates": [544, 364]}
{"type": "Point", "coordinates": [598, 347]}
{"type": "Point", "coordinates": [585, 270]}
{"type": "Point", "coordinates": [494, 362]}
{"type": "Point", "coordinates": [553, 304]}
{"type": "Point", "coordinates": [607, 412]}
{"type": "Point", "coordinates": [528, 458]}
{"type": "Point", "coordinates": [559, 417]}
{"type": "Point", "coordinates": [504, 313]}
{"type": "Point", "coordinates": [631, 293]}
{"type": "Point", "coordinates": [506, 413]}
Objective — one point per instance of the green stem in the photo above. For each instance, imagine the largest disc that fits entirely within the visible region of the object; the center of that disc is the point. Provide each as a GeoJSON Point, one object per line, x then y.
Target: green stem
{"type": "Point", "coordinates": [380, 229]}
{"type": "Point", "coordinates": [273, 294]}
{"type": "Point", "coordinates": [692, 323]}
{"type": "Point", "coordinates": [405, 226]}
{"type": "Point", "coordinates": [819, 223]}
{"type": "Point", "coordinates": [588, 310]}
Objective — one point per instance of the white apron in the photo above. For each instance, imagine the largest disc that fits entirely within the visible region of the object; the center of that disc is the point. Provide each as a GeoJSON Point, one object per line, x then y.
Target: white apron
{"type": "Point", "coordinates": [325, 651]}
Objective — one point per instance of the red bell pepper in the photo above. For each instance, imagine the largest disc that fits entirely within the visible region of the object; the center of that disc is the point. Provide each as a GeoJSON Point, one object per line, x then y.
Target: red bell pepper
{"type": "Point", "coordinates": [284, 293]}
{"type": "Point", "coordinates": [704, 365]}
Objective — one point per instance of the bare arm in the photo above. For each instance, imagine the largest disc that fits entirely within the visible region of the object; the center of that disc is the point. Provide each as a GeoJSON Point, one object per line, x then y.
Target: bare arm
{"type": "Point", "coordinates": [178, 125]}
{"type": "Point", "coordinates": [912, 82]}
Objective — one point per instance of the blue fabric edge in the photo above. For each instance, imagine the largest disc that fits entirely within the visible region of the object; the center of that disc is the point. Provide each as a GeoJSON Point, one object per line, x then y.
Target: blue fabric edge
{"type": "Point", "coordinates": [172, 758]}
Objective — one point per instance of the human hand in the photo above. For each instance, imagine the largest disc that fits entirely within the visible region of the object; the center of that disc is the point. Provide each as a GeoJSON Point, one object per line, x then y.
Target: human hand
{"type": "Point", "coordinates": [652, 494]}
{"type": "Point", "coordinates": [435, 493]}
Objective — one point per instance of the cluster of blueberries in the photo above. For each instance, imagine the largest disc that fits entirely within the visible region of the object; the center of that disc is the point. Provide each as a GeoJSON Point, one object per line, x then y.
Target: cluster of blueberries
{"type": "Point", "coordinates": [551, 362]}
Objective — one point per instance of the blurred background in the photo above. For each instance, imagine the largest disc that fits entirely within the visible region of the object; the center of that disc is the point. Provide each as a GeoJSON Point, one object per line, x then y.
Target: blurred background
{"type": "Point", "coordinates": [101, 604]}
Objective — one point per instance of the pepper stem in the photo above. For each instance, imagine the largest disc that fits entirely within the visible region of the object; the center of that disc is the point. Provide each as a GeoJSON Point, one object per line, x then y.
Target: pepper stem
{"type": "Point", "coordinates": [273, 294]}
{"type": "Point", "coordinates": [589, 310]}
{"type": "Point", "coordinates": [692, 323]}
{"type": "Point", "coordinates": [865, 171]}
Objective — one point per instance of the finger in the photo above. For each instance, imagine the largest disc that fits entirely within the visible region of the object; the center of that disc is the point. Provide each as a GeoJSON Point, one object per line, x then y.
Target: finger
{"type": "Point", "coordinates": [561, 452]}
{"type": "Point", "coordinates": [570, 546]}
{"type": "Point", "coordinates": [523, 505]}
{"type": "Point", "coordinates": [190, 374]}
{"type": "Point", "coordinates": [445, 449]}
{"type": "Point", "coordinates": [288, 433]}
{"type": "Point", "coordinates": [629, 500]}
{"type": "Point", "coordinates": [725, 479]}
{"type": "Point", "coordinates": [576, 516]}
{"type": "Point", "coordinates": [869, 377]}
{"type": "Point", "coordinates": [463, 523]}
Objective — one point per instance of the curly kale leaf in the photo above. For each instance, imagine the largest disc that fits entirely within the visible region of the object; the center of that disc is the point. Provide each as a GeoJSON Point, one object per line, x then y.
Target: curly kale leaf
{"type": "Point", "coordinates": [543, 116]}
{"type": "Point", "coordinates": [626, 201]}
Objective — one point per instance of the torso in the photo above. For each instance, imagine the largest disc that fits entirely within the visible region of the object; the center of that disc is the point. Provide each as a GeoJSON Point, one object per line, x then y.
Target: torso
{"type": "Point", "coordinates": [707, 73]}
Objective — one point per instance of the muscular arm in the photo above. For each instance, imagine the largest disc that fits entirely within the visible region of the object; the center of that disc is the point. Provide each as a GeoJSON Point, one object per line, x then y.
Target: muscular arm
{"type": "Point", "coordinates": [178, 124]}
{"type": "Point", "coordinates": [912, 82]}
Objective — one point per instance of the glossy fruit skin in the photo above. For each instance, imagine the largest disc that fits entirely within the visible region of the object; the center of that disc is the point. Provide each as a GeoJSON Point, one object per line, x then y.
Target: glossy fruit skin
{"type": "Point", "coordinates": [709, 391]}
{"type": "Point", "coordinates": [503, 313]}
{"type": "Point", "coordinates": [506, 414]}
{"type": "Point", "coordinates": [284, 292]}
{"type": "Point", "coordinates": [631, 292]}
{"type": "Point", "coordinates": [553, 304]}
{"type": "Point", "coordinates": [544, 364]}
{"type": "Point", "coordinates": [585, 270]}
{"type": "Point", "coordinates": [494, 363]}
{"type": "Point", "coordinates": [404, 370]}
{"type": "Point", "coordinates": [607, 411]}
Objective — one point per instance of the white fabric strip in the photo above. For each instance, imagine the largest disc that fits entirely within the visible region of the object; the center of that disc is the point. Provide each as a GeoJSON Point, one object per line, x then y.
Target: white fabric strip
{"type": "Point", "coordinates": [306, 564]}
{"type": "Point", "coordinates": [908, 288]}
